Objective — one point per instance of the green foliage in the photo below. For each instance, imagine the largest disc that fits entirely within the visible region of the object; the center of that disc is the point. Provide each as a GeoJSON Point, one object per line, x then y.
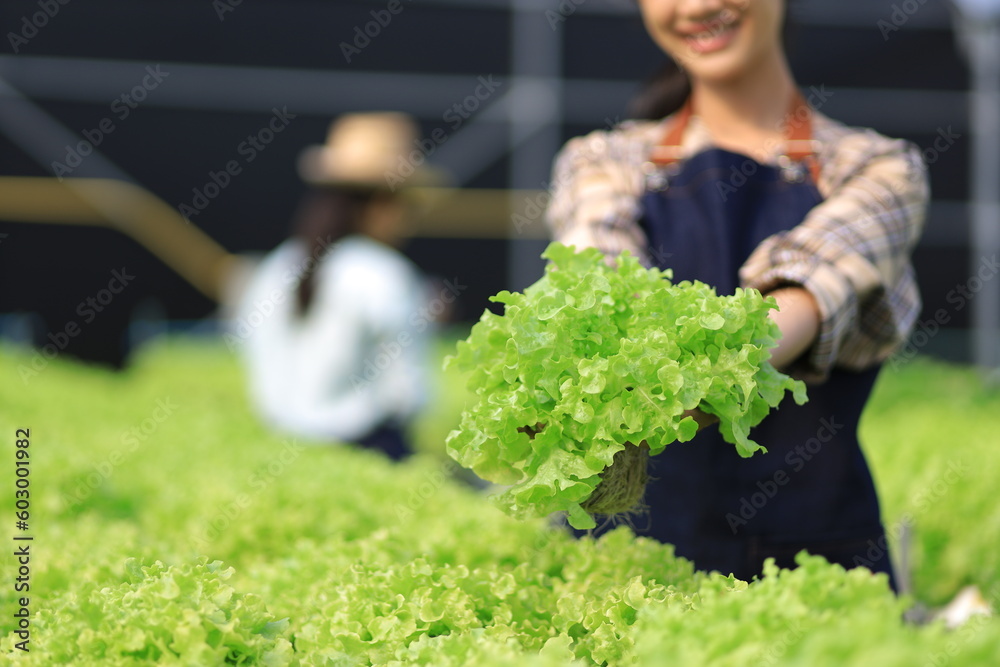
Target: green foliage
{"type": "Point", "coordinates": [605, 358]}
{"type": "Point", "coordinates": [165, 615]}
{"type": "Point", "coordinates": [817, 614]}
{"type": "Point", "coordinates": [930, 432]}
{"type": "Point", "coordinates": [334, 556]}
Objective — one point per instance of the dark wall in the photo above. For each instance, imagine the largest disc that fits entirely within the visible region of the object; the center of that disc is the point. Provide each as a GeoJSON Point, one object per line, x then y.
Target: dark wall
{"type": "Point", "coordinates": [170, 145]}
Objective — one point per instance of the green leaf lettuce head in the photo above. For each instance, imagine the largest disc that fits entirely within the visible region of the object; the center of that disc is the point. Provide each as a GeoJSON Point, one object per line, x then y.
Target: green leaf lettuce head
{"type": "Point", "coordinates": [599, 357]}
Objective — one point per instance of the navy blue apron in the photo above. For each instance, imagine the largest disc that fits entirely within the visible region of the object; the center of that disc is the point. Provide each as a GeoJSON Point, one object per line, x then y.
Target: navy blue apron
{"type": "Point", "coordinates": [812, 489]}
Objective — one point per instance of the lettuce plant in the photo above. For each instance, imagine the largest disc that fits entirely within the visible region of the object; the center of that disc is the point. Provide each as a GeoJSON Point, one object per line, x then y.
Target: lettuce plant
{"type": "Point", "coordinates": [593, 358]}
{"type": "Point", "coordinates": [343, 558]}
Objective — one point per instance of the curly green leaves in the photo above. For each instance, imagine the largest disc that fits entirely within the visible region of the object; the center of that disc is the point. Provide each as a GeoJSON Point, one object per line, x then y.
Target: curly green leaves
{"type": "Point", "coordinates": [606, 356]}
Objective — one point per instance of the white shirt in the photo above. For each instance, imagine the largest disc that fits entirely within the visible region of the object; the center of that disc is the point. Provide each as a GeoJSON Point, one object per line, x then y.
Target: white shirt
{"type": "Point", "coordinates": [357, 358]}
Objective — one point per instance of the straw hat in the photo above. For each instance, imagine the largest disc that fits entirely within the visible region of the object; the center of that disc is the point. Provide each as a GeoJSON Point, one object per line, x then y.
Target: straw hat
{"type": "Point", "coordinates": [370, 150]}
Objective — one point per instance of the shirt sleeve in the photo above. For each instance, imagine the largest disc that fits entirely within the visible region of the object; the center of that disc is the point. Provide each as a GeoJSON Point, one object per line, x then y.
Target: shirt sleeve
{"type": "Point", "coordinates": [595, 196]}
{"type": "Point", "coordinates": [852, 252]}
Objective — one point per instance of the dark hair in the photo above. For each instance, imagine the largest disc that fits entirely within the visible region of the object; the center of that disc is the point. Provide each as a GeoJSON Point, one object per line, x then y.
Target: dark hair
{"type": "Point", "coordinates": [661, 94]}
{"type": "Point", "coordinates": [324, 217]}
{"type": "Point", "coordinates": [668, 88]}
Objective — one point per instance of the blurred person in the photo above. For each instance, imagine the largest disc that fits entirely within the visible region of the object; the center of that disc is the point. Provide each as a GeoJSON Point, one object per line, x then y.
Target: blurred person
{"type": "Point", "coordinates": [338, 349]}
{"type": "Point", "coordinates": [736, 180]}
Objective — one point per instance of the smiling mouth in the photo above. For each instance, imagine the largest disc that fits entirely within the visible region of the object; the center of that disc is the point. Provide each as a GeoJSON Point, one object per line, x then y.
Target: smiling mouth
{"type": "Point", "coordinates": [714, 36]}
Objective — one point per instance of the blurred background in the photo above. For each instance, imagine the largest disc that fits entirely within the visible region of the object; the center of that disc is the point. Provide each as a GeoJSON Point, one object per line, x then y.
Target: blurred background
{"type": "Point", "coordinates": [187, 86]}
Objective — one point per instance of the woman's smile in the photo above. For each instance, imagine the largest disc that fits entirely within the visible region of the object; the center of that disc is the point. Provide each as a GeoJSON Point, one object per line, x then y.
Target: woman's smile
{"type": "Point", "coordinates": [718, 41]}
{"type": "Point", "coordinates": [710, 37]}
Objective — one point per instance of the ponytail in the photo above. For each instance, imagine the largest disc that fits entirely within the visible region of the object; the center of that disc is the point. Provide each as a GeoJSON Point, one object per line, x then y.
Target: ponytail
{"type": "Point", "coordinates": [325, 216]}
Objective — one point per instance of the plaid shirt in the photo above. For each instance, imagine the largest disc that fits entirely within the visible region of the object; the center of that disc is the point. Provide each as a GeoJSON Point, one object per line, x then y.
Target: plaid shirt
{"type": "Point", "coordinates": [852, 251]}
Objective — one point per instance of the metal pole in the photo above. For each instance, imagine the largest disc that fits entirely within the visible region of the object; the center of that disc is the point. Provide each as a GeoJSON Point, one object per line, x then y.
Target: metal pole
{"type": "Point", "coordinates": [535, 121]}
{"type": "Point", "coordinates": [984, 51]}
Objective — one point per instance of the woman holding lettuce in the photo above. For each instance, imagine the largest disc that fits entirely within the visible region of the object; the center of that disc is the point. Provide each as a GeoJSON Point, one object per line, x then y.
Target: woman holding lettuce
{"type": "Point", "coordinates": [738, 181]}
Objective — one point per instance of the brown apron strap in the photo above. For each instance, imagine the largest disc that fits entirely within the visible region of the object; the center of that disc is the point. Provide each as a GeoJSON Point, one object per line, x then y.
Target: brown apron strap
{"type": "Point", "coordinates": [799, 144]}
{"type": "Point", "coordinates": [668, 150]}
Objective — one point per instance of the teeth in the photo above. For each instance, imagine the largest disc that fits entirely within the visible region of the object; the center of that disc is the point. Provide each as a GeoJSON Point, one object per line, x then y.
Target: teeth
{"type": "Point", "coordinates": [710, 34]}
{"type": "Point", "coordinates": [702, 36]}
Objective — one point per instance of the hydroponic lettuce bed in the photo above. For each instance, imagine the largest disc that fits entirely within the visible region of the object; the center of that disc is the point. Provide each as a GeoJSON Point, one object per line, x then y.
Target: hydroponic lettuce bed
{"type": "Point", "coordinates": [171, 528]}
